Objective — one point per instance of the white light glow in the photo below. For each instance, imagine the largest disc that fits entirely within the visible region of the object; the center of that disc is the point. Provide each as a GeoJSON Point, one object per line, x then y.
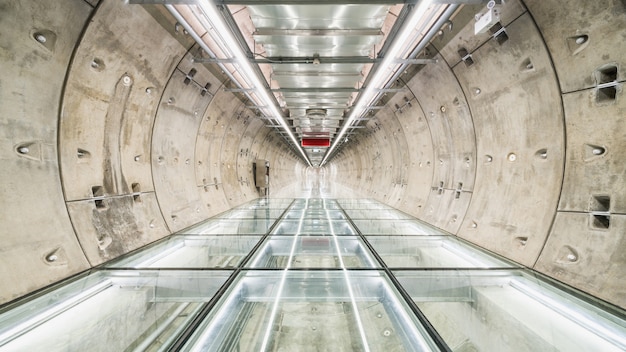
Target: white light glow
{"type": "Point", "coordinates": [245, 75]}
{"type": "Point", "coordinates": [382, 75]}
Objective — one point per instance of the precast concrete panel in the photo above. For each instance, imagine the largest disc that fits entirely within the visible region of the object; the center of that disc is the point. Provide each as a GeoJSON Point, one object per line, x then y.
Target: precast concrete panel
{"type": "Point", "coordinates": [173, 152]}
{"type": "Point", "coordinates": [583, 37]}
{"type": "Point", "coordinates": [39, 245]}
{"type": "Point", "coordinates": [586, 256]}
{"type": "Point", "coordinates": [596, 147]}
{"type": "Point", "coordinates": [111, 97]}
{"type": "Point", "coordinates": [518, 118]}
{"type": "Point", "coordinates": [114, 226]}
{"type": "Point", "coordinates": [461, 40]}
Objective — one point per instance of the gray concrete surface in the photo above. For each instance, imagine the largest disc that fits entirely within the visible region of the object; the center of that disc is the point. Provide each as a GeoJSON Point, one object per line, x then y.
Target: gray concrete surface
{"type": "Point", "coordinates": [105, 148]}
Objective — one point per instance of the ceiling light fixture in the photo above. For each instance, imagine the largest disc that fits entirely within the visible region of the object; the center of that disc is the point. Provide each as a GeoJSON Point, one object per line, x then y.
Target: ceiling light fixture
{"type": "Point", "coordinates": [424, 14]}
{"type": "Point", "coordinates": [244, 76]}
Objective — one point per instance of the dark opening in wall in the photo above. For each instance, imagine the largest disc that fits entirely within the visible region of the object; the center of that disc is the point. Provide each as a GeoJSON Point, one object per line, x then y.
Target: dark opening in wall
{"type": "Point", "coordinates": [97, 191]}
{"type": "Point", "coordinates": [600, 203]}
{"type": "Point", "coordinates": [606, 74]}
{"type": "Point", "coordinates": [466, 57]}
{"type": "Point", "coordinates": [499, 33]}
{"type": "Point", "coordinates": [606, 79]}
{"type": "Point", "coordinates": [601, 222]}
{"type": "Point", "coordinates": [136, 192]}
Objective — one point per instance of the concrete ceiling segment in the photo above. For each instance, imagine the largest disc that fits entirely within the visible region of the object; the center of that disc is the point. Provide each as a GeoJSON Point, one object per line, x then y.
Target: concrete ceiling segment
{"type": "Point", "coordinates": [517, 111]}
{"type": "Point", "coordinates": [454, 144]}
{"type": "Point", "coordinates": [421, 153]}
{"type": "Point", "coordinates": [585, 247]}
{"type": "Point", "coordinates": [587, 256]}
{"type": "Point", "coordinates": [596, 138]}
{"type": "Point", "coordinates": [229, 151]}
{"type": "Point", "coordinates": [176, 127]}
{"type": "Point", "coordinates": [462, 34]}
{"type": "Point", "coordinates": [599, 28]}
{"type": "Point", "coordinates": [39, 246]}
{"type": "Point", "coordinates": [396, 158]}
{"type": "Point", "coordinates": [110, 101]}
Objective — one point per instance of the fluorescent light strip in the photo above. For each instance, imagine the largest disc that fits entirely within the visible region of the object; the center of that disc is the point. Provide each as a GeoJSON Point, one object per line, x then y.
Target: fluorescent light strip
{"type": "Point", "coordinates": [346, 275]}
{"type": "Point", "coordinates": [603, 330]}
{"type": "Point", "coordinates": [31, 323]}
{"type": "Point", "coordinates": [226, 37]}
{"type": "Point", "coordinates": [281, 286]}
{"type": "Point", "coordinates": [381, 75]}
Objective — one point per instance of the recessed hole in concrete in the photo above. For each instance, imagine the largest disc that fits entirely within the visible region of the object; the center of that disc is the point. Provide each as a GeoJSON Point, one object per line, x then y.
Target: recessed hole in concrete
{"type": "Point", "coordinates": [600, 203]}
{"type": "Point", "coordinates": [488, 158]}
{"type": "Point", "coordinates": [97, 191]}
{"type": "Point", "coordinates": [600, 222]}
{"type": "Point", "coordinates": [136, 189]}
{"type": "Point", "coordinates": [46, 38]}
{"type": "Point", "coordinates": [567, 255]}
{"type": "Point", "coordinates": [542, 154]}
{"type": "Point", "coordinates": [527, 65]}
{"type": "Point", "coordinates": [97, 64]}
{"type": "Point", "coordinates": [100, 204]}
{"type": "Point", "coordinates": [459, 190]}
{"type": "Point", "coordinates": [593, 151]}
{"type": "Point", "coordinates": [521, 241]}
{"type": "Point", "coordinates": [499, 33]}
{"type": "Point", "coordinates": [511, 157]}
{"type": "Point", "coordinates": [606, 74]}
{"type": "Point", "coordinates": [82, 154]}
{"type": "Point", "coordinates": [468, 61]}
{"type": "Point", "coordinates": [577, 43]}
{"type": "Point", "coordinates": [502, 37]}
{"type": "Point", "coordinates": [606, 94]}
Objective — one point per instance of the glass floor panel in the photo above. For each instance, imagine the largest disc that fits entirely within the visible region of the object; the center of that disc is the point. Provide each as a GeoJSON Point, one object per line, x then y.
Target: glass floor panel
{"type": "Point", "coordinates": [510, 311]}
{"type": "Point", "coordinates": [332, 214]}
{"type": "Point", "coordinates": [309, 281]}
{"type": "Point", "coordinates": [267, 203]}
{"type": "Point", "coordinates": [361, 204]}
{"type": "Point", "coordinates": [378, 214]}
{"type": "Point", "coordinates": [191, 251]}
{"type": "Point", "coordinates": [216, 226]}
{"type": "Point", "coordinates": [433, 252]}
{"type": "Point", "coordinates": [314, 227]}
{"type": "Point", "coordinates": [111, 311]}
{"type": "Point", "coordinates": [315, 203]}
{"type": "Point", "coordinates": [395, 227]}
{"type": "Point", "coordinates": [313, 252]}
{"type": "Point", "coordinates": [257, 213]}
{"type": "Point", "coordinates": [310, 311]}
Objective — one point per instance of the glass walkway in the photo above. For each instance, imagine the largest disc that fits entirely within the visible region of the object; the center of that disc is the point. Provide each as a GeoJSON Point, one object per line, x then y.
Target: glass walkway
{"type": "Point", "coordinates": [311, 275]}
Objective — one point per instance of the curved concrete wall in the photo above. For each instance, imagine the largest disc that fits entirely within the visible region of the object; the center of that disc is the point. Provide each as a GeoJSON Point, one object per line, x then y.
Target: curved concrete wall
{"type": "Point", "coordinates": [109, 143]}
{"type": "Point", "coordinates": [516, 150]}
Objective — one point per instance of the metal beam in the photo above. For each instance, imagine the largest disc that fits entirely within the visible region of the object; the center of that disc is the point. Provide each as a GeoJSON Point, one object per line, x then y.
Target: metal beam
{"type": "Point", "coordinates": [314, 60]}
{"type": "Point", "coordinates": [316, 32]}
{"type": "Point", "coordinates": [317, 90]}
{"type": "Point", "coordinates": [327, 2]}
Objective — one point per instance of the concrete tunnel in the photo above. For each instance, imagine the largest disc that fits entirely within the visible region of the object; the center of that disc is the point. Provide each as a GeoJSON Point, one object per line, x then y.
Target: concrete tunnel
{"type": "Point", "coordinates": [115, 136]}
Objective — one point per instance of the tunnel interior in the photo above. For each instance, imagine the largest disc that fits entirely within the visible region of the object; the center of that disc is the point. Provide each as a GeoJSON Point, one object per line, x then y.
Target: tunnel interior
{"type": "Point", "coordinates": [121, 133]}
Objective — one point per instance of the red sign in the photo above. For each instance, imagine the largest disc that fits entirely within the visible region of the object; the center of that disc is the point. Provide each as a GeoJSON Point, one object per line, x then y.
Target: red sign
{"type": "Point", "coordinates": [316, 142]}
